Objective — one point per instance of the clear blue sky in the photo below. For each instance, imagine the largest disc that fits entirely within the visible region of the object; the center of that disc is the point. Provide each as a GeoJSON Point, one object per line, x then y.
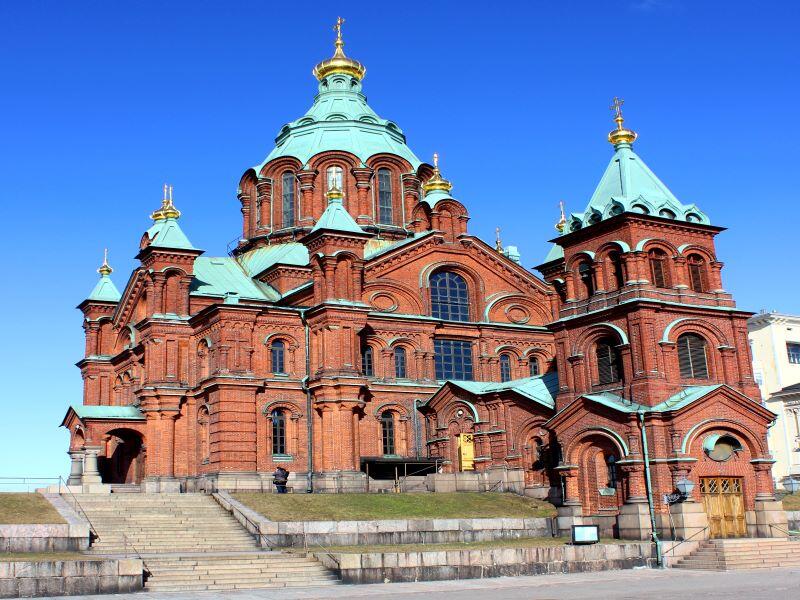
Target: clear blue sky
{"type": "Point", "coordinates": [101, 102]}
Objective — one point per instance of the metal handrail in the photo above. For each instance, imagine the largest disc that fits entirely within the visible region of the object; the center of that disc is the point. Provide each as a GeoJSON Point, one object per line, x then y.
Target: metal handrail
{"type": "Point", "coordinates": [672, 550]}
{"type": "Point", "coordinates": [93, 535]}
{"type": "Point", "coordinates": [145, 571]}
{"type": "Point", "coordinates": [402, 479]}
{"type": "Point", "coordinates": [324, 549]}
{"type": "Point", "coordinates": [259, 536]}
{"type": "Point", "coordinates": [788, 532]}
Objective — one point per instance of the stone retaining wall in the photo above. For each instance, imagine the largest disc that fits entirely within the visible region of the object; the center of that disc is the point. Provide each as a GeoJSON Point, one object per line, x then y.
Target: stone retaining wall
{"type": "Point", "coordinates": [793, 518]}
{"type": "Point", "coordinates": [287, 534]}
{"type": "Point", "coordinates": [56, 537]}
{"type": "Point", "coordinates": [497, 562]}
{"type": "Point", "coordinates": [25, 579]}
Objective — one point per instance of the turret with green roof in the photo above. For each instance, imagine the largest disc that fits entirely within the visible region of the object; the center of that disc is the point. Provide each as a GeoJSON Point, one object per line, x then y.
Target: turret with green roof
{"type": "Point", "coordinates": [104, 290]}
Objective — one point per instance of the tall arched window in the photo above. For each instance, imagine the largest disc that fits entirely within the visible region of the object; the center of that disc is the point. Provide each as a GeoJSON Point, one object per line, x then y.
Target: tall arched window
{"type": "Point", "coordinates": [278, 417]}
{"type": "Point", "coordinates": [449, 296]}
{"type": "Point", "coordinates": [692, 358]}
{"type": "Point", "coordinates": [277, 354]}
{"type": "Point", "coordinates": [609, 366]}
{"type": "Point", "coordinates": [367, 362]}
{"type": "Point", "coordinates": [334, 178]}
{"type": "Point", "coordinates": [611, 465]}
{"type": "Point", "coordinates": [658, 268]}
{"type": "Point", "coordinates": [287, 199]}
{"type": "Point", "coordinates": [617, 269]}
{"type": "Point", "coordinates": [505, 367]}
{"type": "Point", "coordinates": [203, 433]}
{"type": "Point", "coordinates": [400, 371]}
{"type": "Point", "coordinates": [587, 279]}
{"type": "Point", "coordinates": [533, 366]}
{"type": "Point", "coordinates": [697, 275]}
{"type": "Point", "coordinates": [387, 432]}
{"type": "Point", "coordinates": [385, 207]}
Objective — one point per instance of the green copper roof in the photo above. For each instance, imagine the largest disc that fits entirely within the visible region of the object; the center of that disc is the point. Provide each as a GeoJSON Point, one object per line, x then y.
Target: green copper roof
{"type": "Point", "coordinates": [166, 233]}
{"type": "Point", "coordinates": [224, 276]}
{"type": "Point", "coordinates": [432, 198]}
{"type": "Point", "coordinates": [335, 217]}
{"type": "Point", "coordinates": [340, 119]}
{"type": "Point", "coordinates": [260, 259]}
{"type": "Point", "coordinates": [541, 389]}
{"type": "Point", "coordinates": [683, 398]}
{"type": "Point", "coordinates": [628, 185]}
{"type": "Point", "coordinates": [105, 291]}
{"type": "Point", "coordinates": [108, 412]}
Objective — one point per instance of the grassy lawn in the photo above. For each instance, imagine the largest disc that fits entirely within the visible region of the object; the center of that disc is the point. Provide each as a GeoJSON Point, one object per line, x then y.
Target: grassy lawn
{"type": "Point", "coordinates": [791, 502]}
{"type": "Point", "coordinates": [16, 508]}
{"type": "Point", "coordinates": [356, 507]}
{"type": "Point", "coordinates": [518, 543]}
{"type": "Point", "coordinates": [43, 556]}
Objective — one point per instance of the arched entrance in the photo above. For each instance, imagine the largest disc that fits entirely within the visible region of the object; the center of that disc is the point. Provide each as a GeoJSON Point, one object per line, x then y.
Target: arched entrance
{"type": "Point", "coordinates": [124, 457]}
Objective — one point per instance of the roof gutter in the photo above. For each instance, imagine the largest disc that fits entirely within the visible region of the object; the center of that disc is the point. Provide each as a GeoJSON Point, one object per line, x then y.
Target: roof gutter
{"type": "Point", "coordinates": [649, 483]}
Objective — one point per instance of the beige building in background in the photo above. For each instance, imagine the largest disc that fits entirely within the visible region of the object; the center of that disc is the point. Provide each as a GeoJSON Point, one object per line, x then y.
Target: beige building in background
{"type": "Point", "coordinates": [775, 344]}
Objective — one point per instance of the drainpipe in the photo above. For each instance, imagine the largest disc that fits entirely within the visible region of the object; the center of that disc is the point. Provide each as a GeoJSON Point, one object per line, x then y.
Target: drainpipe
{"type": "Point", "coordinates": [309, 406]}
{"type": "Point", "coordinates": [649, 483]}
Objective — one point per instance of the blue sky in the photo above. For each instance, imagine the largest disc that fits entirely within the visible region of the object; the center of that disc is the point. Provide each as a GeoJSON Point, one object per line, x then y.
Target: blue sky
{"type": "Point", "coordinates": [101, 102]}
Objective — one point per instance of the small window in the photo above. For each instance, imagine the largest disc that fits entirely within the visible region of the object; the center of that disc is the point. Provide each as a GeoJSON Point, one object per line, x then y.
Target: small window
{"type": "Point", "coordinates": [385, 208]}
{"type": "Point", "coordinates": [608, 361]}
{"type": "Point", "coordinates": [696, 266]}
{"type": "Point", "coordinates": [587, 278]}
{"type": "Point", "coordinates": [387, 432]}
{"type": "Point", "coordinates": [367, 362]}
{"type": "Point", "coordinates": [287, 197]}
{"type": "Point", "coordinates": [793, 350]}
{"type": "Point", "coordinates": [453, 359]}
{"type": "Point", "coordinates": [400, 371]}
{"type": "Point", "coordinates": [334, 179]}
{"type": "Point", "coordinates": [505, 367]}
{"type": "Point", "coordinates": [277, 351]}
{"type": "Point", "coordinates": [692, 358]}
{"type": "Point", "coordinates": [533, 366]}
{"type": "Point", "coordinates": [449, 297]}
{"type": "Point", "coordinates": [658, 268]}
{"type": "Point", "coordinates": [611, 465]}
{"type": "Point", "coordinates": [278, 418]}
{"type": "Point", "coordinates": [617, 269]}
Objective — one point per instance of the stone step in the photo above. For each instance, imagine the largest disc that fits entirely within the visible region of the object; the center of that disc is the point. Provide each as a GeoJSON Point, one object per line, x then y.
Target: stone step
{"type": "Point", "coordinates": [240, 576]}
{"type": "Point", "coordinates": [241, 586]}
{"type": "Point", "coordinates": [254, 568]}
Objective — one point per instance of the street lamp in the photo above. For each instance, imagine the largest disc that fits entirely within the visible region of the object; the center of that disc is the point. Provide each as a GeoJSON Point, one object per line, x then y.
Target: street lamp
{"type": "Point", "coordinates": [791, 485]}
{"type": "Point", "coordinates": [685, 487]}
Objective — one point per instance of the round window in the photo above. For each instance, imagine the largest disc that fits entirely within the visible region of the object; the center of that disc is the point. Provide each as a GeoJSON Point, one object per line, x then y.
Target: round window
{"type": "Point", "coordinates": [721, 447]}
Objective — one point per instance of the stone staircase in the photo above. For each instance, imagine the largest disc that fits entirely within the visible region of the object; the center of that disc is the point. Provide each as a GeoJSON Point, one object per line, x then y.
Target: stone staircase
{"type": "Point", "coordinates": [189, 542]}
{"type": "Point", "coordinates": [743, 553]}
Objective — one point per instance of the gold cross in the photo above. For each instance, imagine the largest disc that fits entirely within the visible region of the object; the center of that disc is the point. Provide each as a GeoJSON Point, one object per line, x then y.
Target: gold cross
{"type": "Point", "coordinates": [338, 27]}
{"type": "Point", "coordinates": [617, 106]}
{"type": "Point", "coordinates": [435, 160]}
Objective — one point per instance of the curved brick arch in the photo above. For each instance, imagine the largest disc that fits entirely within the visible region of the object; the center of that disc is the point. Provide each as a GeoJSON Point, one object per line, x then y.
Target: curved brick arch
{"type": "Point", "coordinates": [737, 428]}
{"type": "Point", "coordinates": [701, 327]}
{"type": "Point", "coordinates": [594, 332]}
{"type": "Point", "coordinates": [585, 434]}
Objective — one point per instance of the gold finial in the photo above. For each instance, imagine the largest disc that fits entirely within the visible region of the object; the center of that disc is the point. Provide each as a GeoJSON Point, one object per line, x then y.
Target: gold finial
{"type": "Point", "coordinates": [437, 182]}
{"type": "Point", "coordinates": [105, 269]}
{"type": "Point", "coordinates": [498, 244]}
{"type": "Point", "coordinates": [620, 135]}
{"type": "Point", "coordinates": [562, 222]}
{"type": "Point", "coordinates": [167, 210]}
{"type": "Point", "coordinates": [339, 63]}
{"type": "Point", "coordinates": [334, 193]}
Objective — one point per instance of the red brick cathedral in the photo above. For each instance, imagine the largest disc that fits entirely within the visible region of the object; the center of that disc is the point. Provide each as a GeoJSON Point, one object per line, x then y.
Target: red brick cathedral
{"type": "Point", "coordinates": [358, 335]}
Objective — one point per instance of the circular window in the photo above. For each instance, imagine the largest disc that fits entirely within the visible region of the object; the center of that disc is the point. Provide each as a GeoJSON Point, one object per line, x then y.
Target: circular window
{"type": "Point", "coordinates": [721, 447]}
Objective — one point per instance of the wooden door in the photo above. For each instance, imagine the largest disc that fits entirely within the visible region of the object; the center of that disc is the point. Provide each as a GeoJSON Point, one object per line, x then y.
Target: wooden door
{"type": "Point", "coordinates": [724, 504]}
{"type": "Point", "coordinates": [466, 452]}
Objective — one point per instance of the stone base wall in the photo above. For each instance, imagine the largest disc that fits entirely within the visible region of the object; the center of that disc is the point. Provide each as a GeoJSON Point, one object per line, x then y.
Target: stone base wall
{"type": "Point", "coordinates": [55, 537]}
{"type": "Point", "coordinates": [26, 579]}
{"type": "Point", "coordinates": [497, 562]}
{"type": "Point", "coordinates": [302, 534]}
{"type": "Point", "coordinates": [793, 520]}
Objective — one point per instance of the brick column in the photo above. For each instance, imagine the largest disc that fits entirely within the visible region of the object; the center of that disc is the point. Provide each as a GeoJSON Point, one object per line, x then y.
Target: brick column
{"type": "Point", "coordinates": [264, 203]}
{"type": "Point", "coordinates": [363, 177]}
{"type": "Point", "coordinates": [310, 207]}
{"type": "Point", "coordinates": [411, 185]}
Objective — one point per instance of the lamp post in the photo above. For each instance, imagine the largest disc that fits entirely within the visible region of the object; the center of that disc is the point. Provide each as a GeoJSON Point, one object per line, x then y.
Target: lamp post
{"type": "Point", "coordinates": [684, 487]}
{"type": "Point", "coordinates": [791, 485]}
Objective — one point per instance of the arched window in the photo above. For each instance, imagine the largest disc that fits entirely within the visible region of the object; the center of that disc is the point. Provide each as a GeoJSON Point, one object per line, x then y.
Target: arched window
{"type": "Point", "coordinates": [692, 358]}
{"type": "Point", "coordinates": [367, 362]}
{"type": "Point", "coordinates": [385, 207]}
{"type": "Point", "coordinates": [203, 433]}
{"type": "Point", "coordinates": [611, 464]}
{"type": "Point", "coordinates": [334, 178]}
{"type": "Point", "coordinates": [617, 269]}
{"type": "Point", "coordinates": [277, 354]}
{"type": "Point", "coordinates": [658, 268]}
{"type": "Point", "coordinates": [278, 417]}
{"type": "Point", "coordinates": [387, 432]}
{"type": "Point", "coordinates": [697, 275]}
{"type": "Point", "coordinates": [533, 366]}
{"type": "Point", "coordinates": [505, 367]}
{"type": "Point", "coordinates": [587, 279]}
{"type": "Point", "coordinates": [400, 371]}
{"type": "Point", "coordinates": [449, 296]}
{"type": "Point", "coordinates": [287, 199]}
{"type": "Point", "coordinates": [608, 362]}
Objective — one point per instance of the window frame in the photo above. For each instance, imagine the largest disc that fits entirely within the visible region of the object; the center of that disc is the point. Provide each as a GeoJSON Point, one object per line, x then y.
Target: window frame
{"type": "Point", "coordinates": [277, 354]}
{"type": "Point", "coordinates": [385, 197]}
{"type": "Point", "coordinates": [696, 268]}
{"type": "Point", "coordinates": [400, 363]}
{"type": "Point", "coordinates": [586, 277]}
{"type": "Point", "coordinates": [279, 432]}
{"type": "Point", "coordinates": [613, 372]}
{"type": "Point", "coordinates": [659, 271]}
{"type": "Point", "coordinates": [534, 368]}
{"type": "Point", "coordinates": [505, 367]}
{"type": "Point", "coordinates": [793, 352]}
{"type": "Point", "coordinates": [367, 361]}
{"type": "Point", "coordinates": [453, 359]}
{"type": "Point", "coordinates": [288, 200]}
{"type": "Point", "coordinates": [388, 434]}
{"type": "Point", "coordinates": [689, 366]}
{"type": "Point", "coordinates": [449, 300]}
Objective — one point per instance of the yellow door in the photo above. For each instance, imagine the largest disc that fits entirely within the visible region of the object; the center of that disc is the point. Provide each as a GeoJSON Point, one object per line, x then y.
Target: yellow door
{"type": "Point", "coordinates": [724, 504]}
{"type": "Point", "coordinates": [466, 452]}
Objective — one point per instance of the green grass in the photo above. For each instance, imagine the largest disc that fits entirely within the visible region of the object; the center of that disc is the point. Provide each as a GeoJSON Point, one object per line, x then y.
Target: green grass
{"type": "Point", "coordinates": [24, 508]}
{"type": "Point", "coordinates": [518, 543]}
{"type": "Point", "coordinates": [43, 556]}
{"type": "Point", "coordinates": [356, 507]}
{"type": "Point", "coordinates": [791, 502]}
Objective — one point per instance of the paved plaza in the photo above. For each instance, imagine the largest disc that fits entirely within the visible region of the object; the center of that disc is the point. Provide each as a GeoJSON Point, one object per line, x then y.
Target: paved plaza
{"type": "Point", "coordinates": [764, 584]}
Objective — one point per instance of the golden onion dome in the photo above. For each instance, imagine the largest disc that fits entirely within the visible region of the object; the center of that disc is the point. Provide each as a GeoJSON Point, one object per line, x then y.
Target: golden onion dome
{"type": "Point", "coordinates": [437, 182]}
{"type": "Point", "coordinates": [167, 209]}
{"type": "Point", "coordinates": [105, 269]}
{"type": "Point", "coordinates": [620, 135]}
{"type": "Point", "coordinates": [339, 63]}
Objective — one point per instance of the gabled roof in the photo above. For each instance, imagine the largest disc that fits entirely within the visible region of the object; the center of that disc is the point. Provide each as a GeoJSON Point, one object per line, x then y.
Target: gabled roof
{"type": "Point", "coordinates": [677, 401]}
{"type": "Point", "coordinates": [258, 260]}
{"type": "Point", "coordinates": [376, 247]}
{"type": "Point", "coordinates": [105, 291]}
{"type": "Point", "coordinates": [166, 233]}
{"type": "Point", "coordinates": [541, 389]}
{"type": "Point", "coordinates": [121, 413]}
{"type": "Point", "coordinates": [336, 218]}
{"type": "Point", "coordinates": [219, 276]}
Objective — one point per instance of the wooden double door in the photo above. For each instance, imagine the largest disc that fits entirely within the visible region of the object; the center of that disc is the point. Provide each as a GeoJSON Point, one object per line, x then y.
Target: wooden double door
{"type": "Point", "coordinates": [724, 503]}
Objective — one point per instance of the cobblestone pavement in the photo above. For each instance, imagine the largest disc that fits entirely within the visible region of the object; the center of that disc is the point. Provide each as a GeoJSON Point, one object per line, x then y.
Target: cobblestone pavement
{"type": "Point", "coordinates": [772, 584]}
